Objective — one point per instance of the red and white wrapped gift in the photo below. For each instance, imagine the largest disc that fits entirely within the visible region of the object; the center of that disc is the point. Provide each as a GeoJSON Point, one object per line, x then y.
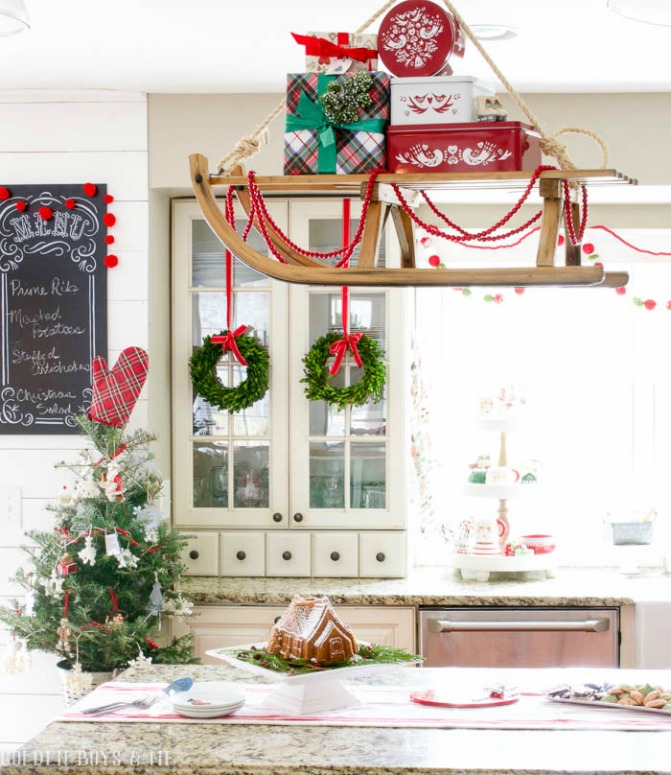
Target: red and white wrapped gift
{"type": "Point", "coordinates": [417, 37]}
{"type": "Point", "coordinates": [335, 53]}
{"type": "Point", "coordinates": [444, 99]}
{"type": "Point", "coordinates": [502, 146]}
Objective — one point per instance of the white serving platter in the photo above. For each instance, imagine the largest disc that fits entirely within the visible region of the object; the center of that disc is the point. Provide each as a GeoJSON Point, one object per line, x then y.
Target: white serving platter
{"type": "Point", "coordinates": [306, 692]}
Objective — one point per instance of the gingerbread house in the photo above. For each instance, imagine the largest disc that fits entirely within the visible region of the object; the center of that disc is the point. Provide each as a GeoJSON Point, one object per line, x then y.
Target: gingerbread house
{"type": "Point", "coordinates": [310, 629]}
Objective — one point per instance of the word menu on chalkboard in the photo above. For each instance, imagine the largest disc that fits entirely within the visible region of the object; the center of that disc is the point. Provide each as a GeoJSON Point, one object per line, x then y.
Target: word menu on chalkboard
{"type": "Point", "coordinates": [53, 302]}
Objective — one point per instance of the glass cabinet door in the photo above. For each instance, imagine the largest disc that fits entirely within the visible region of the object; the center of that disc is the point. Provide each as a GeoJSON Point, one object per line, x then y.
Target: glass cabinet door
{"type": "Point", "coordinates": [342, 460]}
{"type": "Point", "coordinates": [238, 475]}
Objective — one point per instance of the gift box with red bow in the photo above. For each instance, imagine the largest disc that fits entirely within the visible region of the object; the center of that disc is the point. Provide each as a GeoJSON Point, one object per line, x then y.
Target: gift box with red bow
{"type": "Point", "coordinates": [338, 52]}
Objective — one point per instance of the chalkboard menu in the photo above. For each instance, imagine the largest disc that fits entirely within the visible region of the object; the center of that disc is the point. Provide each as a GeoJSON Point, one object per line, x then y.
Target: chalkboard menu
{"type": "Point", "coordinates": [53, 302]}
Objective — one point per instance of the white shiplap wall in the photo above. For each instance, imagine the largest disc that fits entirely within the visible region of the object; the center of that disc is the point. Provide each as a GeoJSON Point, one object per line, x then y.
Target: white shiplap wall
{"type": "Point", "coordinates": [73, 137]}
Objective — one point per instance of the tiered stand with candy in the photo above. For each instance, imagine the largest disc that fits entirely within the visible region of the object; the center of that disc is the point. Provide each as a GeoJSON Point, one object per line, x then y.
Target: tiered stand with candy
{"type": "Point", "coordinates": [340, 143]}
{"type": "Point", "coordinates": [485, 547]}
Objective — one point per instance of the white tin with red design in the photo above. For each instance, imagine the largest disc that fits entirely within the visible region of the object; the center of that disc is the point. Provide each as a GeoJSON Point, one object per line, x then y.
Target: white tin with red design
{"type": "Point", "coordinates": [438, 99]}
{"type": "Point", "coordinates": [417, 37]}
{"type": "Point", "coordinates": [502, 146]}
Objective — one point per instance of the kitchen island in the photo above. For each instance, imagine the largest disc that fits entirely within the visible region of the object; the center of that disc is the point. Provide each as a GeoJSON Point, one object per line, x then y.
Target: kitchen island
{"type": "Point", "coordinates": [199, 748]}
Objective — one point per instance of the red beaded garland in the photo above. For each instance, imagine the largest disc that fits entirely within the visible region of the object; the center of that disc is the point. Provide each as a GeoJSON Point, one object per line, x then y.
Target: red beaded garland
{"type": "Point", "coordinates": [90, 189]}
{"type": "Point", "coordinates": [108, 199]}
{"type": "Point", "coordinates": [109, 219]}
{"type": "Point", "coordinates": [46, 213]}
{"type": "Point", "coordinates": [4, 192]}
{"type": "Point", "coordinates": [70, 204]}
{"type": "Point", "coordinates": [21, 206]}
{"type": "Point", "coordinates": [109, 239]}
{"type": "Point", "coordinates": [111, 261]}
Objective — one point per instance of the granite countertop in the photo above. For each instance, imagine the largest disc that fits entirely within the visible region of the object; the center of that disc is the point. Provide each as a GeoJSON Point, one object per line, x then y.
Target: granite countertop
{"type": "Point", "coordinates": [429, 586]}
{"type": "Point", "coordinates": [78, 748]}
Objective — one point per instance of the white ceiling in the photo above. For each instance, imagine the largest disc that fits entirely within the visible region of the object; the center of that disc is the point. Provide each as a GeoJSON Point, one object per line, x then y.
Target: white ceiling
{"type": "Point", "coordinates": [218, 46]}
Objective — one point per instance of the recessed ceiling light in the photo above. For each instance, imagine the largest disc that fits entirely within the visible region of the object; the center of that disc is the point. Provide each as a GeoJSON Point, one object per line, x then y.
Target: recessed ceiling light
{"type": "Point", "coordinates": [493, 31]}
{"type": "Point", "coordinates": [13, 17]}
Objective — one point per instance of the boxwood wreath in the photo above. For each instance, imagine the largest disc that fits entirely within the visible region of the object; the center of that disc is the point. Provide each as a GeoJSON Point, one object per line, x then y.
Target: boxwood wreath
{"type": "Point", "coordinates": [211, 388]}
{"type": "Point", "coordinates": [317, 373]}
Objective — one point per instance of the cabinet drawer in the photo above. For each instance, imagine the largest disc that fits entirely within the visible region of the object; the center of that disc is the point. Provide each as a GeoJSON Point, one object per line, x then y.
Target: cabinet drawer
{"type": "Point", "coordinates": [335, 554]}
{"type": "Point", "coordinates": [242, 554]}
{"type": "Point", "coordinates": [382, 554]}
{"type": "Point", "coordinates": [287, 554]}
{"type": "Point", "coordinates": [201, 555]}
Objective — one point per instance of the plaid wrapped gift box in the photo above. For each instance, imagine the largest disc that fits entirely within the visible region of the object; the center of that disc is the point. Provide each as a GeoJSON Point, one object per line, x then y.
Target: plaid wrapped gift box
{"type": "Point", "coordinates": [312, 145]}
{"type": "Point", "coordinates": [335, 53]}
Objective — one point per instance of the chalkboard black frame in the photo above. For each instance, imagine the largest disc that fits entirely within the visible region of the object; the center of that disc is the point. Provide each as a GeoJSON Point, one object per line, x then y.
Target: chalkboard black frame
{"type": "Point", "coordinates": [53, 304]}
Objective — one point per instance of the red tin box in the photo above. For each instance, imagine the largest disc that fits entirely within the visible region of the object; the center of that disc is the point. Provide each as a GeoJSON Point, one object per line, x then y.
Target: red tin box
{"type": "Point", "coordinates": [501, 146]}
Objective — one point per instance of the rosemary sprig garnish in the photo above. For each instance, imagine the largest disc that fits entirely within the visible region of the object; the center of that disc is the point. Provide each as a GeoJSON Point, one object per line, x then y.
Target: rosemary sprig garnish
{"type": "Point", "coordinates": [367, 654]}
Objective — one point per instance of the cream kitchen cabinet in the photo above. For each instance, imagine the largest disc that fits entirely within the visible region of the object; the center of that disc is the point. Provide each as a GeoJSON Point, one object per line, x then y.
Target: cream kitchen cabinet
{"type": "Point", "coordinates": [287, 487]}
{"type": "Point", "coordinates": [220, 626]}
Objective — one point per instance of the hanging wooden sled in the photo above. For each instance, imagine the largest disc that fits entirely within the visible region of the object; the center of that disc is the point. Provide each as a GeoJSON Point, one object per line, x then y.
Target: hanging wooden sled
{"type": "Point", "coordinates": [397, 195]}
{"type": "Point", "coordinates": [382, 200]}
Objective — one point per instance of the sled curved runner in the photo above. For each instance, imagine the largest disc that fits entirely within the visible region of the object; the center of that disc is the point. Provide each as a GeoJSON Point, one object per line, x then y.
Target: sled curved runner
{"type": "Point", "coordinates": [309, 271]}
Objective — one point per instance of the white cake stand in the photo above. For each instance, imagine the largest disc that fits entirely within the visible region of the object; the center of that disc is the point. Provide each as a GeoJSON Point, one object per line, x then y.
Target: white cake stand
{"type": "Point", "coordinates": [306, 693]}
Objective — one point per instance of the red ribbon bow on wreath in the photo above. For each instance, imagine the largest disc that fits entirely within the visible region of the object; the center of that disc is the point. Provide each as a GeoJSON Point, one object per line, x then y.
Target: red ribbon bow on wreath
{"type": "Point", "coordinates": [339, 349]}
{"type": "Point", "coordinates": [228, 343]}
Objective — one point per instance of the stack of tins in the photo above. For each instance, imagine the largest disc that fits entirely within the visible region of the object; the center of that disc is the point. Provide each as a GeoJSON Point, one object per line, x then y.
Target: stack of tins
{"type": "Point", "coordinates": [441, 122]}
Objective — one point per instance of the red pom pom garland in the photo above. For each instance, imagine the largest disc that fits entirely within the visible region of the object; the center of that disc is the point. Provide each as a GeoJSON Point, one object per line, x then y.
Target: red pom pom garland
{"type": "Point", "coordinates": [5, 193]}
{"type": "Point", "coordinates": [109, 239]}
{"type": "Point", "coordinates": [109, 219]}
{"type": "Point", "coordinates": [21, 206]}
{"type": "Point", "coordinates": [46, 213]}
{"type": "Point", "coordinates": [111, 261]}
{"type": "Point", "coordinates": [108, 199]}
{"type": "Point", "coordinates": [70, 204]}
{"type": "Point", "coordinates": [90, 189]}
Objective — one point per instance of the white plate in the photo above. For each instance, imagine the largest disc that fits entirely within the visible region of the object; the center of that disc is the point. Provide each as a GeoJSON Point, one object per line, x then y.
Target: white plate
{"type": "Point", "coordinates": [327, 675]}
{"type": "Point", "coordinates": [208, 696]}
{"type": "Point", "coordinates": [211, 713]}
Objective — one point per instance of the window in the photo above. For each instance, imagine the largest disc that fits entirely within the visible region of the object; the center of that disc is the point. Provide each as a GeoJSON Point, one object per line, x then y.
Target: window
{"type": "Point", "coordinates": [592, 367]}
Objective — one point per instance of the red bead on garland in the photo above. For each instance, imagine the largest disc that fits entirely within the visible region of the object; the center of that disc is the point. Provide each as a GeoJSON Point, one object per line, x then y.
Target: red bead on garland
{"type": "Point", "coordinates": [22, 206]}
{"type": "Point", "coordinates": [109, 239]}
{"type": "Point", "coordinates": [70, 204]}
{"type": "Point", "coordinates": [111, 261]}
{"type": "Point", "coordinates": [4, 192]}
{"type": "Point", "coordinates": [108, 199]}
{"type": "Point", "coordinates": [90, 189]}
{"type": "Point", "coordinates": [46, 213]}
{"type": "Point", "coordinates": [109, 219]}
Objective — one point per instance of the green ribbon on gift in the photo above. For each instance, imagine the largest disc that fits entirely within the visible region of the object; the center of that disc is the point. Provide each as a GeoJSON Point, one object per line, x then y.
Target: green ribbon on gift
{"type": "Point", "coordinates": [310, 115]}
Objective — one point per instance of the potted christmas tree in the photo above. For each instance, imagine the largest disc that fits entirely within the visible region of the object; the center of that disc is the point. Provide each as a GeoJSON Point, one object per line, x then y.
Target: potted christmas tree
{"type": "Point", "coordinates": [101, 585]}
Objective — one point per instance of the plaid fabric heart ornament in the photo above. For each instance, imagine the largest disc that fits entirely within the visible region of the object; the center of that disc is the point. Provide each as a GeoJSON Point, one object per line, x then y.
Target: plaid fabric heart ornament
{"type": "Point", "coordinates": [116, 390]}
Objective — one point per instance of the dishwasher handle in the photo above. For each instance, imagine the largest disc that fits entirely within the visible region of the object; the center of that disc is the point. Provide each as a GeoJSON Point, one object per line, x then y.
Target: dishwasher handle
{"type": "Point", "coordinates": [585, 625]}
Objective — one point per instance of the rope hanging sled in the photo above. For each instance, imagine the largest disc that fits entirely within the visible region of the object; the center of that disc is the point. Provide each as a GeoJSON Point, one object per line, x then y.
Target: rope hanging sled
{"type": "Point", "coordinates": [563, 192]}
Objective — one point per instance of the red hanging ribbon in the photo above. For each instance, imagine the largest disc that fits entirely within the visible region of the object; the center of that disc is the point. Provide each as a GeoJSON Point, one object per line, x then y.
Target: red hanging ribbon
{"type": "Point", "coordinates": [339, 348]}
{"type": "Point", "coordinates": [227, 341]}
{"type": "Point", "coordinates": [121, 449]}
{"type": "Point", "coordinates": [65, 604]}
{"type": "Point", "coordinates": [324, 49]}
{"type": "Point", "coordinates": [113, 595]}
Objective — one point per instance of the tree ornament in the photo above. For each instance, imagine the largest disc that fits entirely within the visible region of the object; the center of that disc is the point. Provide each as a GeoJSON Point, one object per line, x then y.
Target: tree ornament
{"type": "Point", "coordinates": [111, 484]}
{"type": "Point", "coordinates": [88, 554]}
{"type": "Point", "coordinates": [67, 565]}
{"type": "Point", "coordinates": [344, 98]}
{"type": "Point", "coordinates": [369, 387]}
{"type": "Point", "coordinates": [127, 559]}
{"type": "Point", "coordinates": [53, 586]}
{"type": "Point", "coordinates": [16, 658]}
{"type": "Point", "coordinates": [209, 386]}
{"type": "Point", "coordinates": [155, 605]}
{"type": "Point", "coordinates": [78, 683]}
{"type": "Point", "coordinates": [140, 660]}
{"type": "Point", "coordinates": [64, 633]}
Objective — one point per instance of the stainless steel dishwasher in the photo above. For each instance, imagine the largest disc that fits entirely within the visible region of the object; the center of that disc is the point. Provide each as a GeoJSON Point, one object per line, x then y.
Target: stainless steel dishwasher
{"type": "Point", "coordinates": [520, 637]}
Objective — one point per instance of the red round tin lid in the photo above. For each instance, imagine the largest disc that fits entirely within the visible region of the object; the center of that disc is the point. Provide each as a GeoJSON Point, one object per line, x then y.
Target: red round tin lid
{"type": "Point", "coordinates": [416, 38]}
